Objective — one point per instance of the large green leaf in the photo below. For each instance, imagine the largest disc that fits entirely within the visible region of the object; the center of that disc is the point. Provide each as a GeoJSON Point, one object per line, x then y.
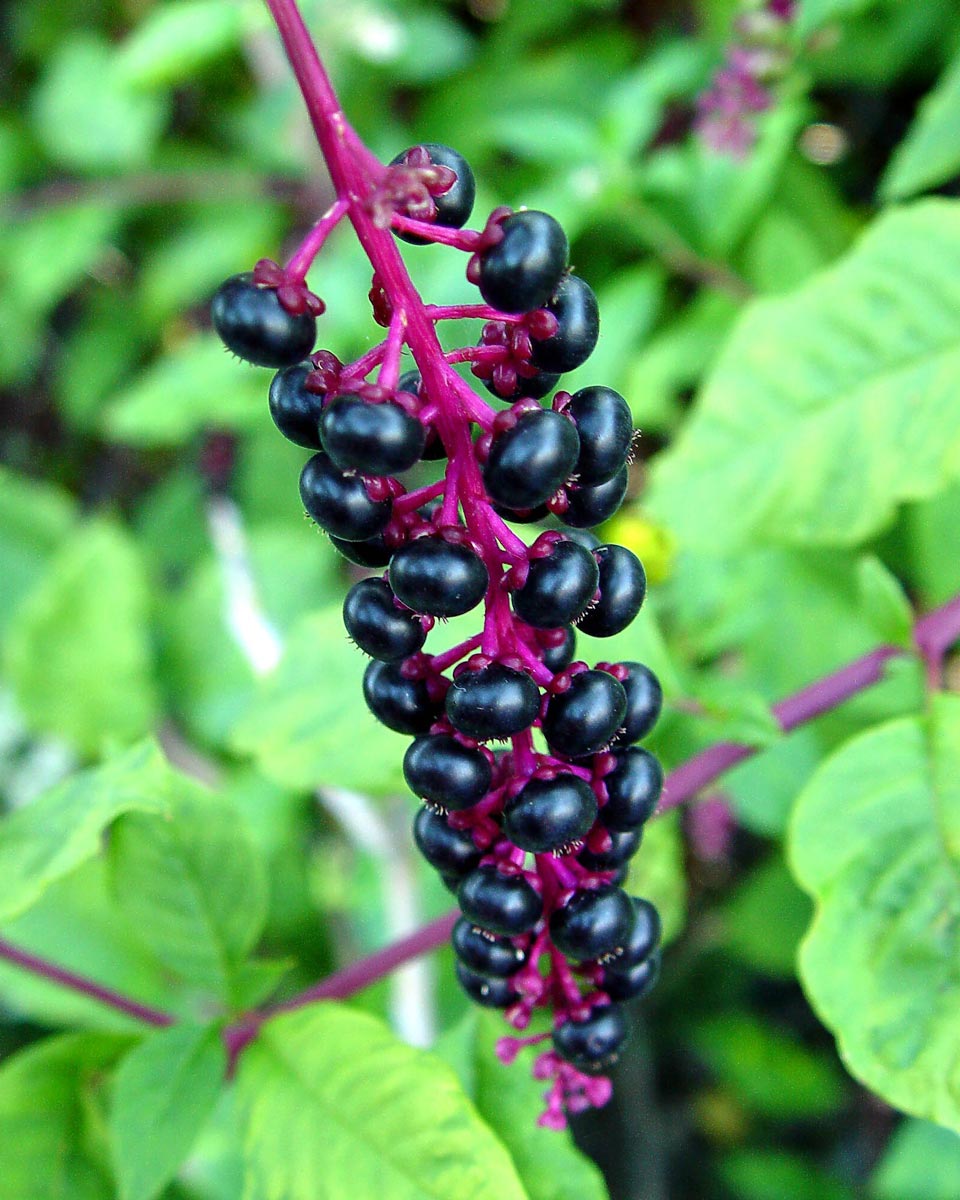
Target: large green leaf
{"type": "Point", "coordinates": [77, 651]}
{"type": "Point", "coordinates": [163, 1093]}
{"type": "Point", "coordinates": [875, 839]}
{"type": "Point", "coordinates": [336, 1106]}
{"type": "Point", "coordinates": [930, 153]}
{"type": "Point", "coordinates": [921, 1162]}
{"type": "Point", "coordinates": [830, 405]}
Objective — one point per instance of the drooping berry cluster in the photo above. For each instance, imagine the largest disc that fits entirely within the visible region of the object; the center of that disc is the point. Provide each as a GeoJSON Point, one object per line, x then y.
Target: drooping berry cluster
{"type": "Point", "coordinates": [534, 794]}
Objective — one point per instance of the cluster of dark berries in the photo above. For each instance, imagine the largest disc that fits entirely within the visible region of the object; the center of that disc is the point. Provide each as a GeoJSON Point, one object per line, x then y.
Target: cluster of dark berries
{"type": "Point", "coordinates": [534, 793]}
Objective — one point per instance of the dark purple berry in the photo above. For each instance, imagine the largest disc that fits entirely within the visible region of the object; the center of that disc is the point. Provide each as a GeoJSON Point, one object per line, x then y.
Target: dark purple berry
{"type": "Point", "coordinates": [455, 205]}
{"type": "Point", "coordinates": [584, 718]}
{"type": "Point", "coordinates": [593, 924]}
{"type": "Point", "coordinates": [446, 773]}
{"type": "Point", "coordinates": [593, 1045]}
{"type": "Point", "coordinates": [451, 851]}
{"type": "Point", "coordinates": [558, 587]}
{"type": "Point", "coordinates": [578, 327]}
{"type": "Point", "coordinates": [633, 788]}
{"type": "Point", "coordinates": [522, 516]}
{"type": "Point", "coordinates": [505, 904]}
{"type": "Point", "coordinates": [376, 439]}
{"type": "Point", "coordinates": [253, 323]}
{"type": "Point", "coordinates": [558, 658]}
{"type": "Point", "coordinates": [548, 814]}
{"type": "Point", "coordinates": [373, 552]}
{"type": "Point", "coordinates": [294, 408]}
{"type": "Point", "coordinates": [644, 702]}
{"type": "Point", "coordinates": [605, 424]}
{"type": "Point", "coordinates": [486, 989]}
{"type": "Point", "coordinates": [623, 586]}
{"type": "Point", "coordinates": [643, 940]}
{"type": "Point", "coordinates": [492, 703]}
{"type": "Point", "coordinates": [486, 952]}
{"type": "Point", "coordinates": [535, 386]}
{"type": "Point", "coordinates": [403, 705]}
{"type": "Point", "coordinates": [339, 503]}
{"type": "Point", "coordinates": [522, 271]}
{"type": "Point", "coordinates": [439, 578]}
{"type": "Point", "coordinates": [377, 625]}
{"type": "Point", "coordinates": [590, 506]}
{"type": "Point", "coordinates": [634, 983]}
{"type": "Point", "coordinates": [529, 462]}
{"type": "Point", "coordinates": [434, 449]}
{"type": "Point", "coordinates": [623, 846]}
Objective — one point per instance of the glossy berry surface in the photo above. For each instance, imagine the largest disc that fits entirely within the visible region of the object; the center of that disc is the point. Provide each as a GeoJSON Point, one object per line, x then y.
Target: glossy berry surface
{"type": "Point", "coordinates": [486, 990]}
{"type": "Point", "coordinates": [523, 270]}
{"type": "Point", "coordinates": [438, 578]}
{"type": "Point", "coordinates": [633, 789]}
{"type": "Point", "coordinates": [558, 587]}
{"type": "Point", "coordinates": [593, 1045]}
{"type": "Point", "coordinates": [633, 983]}
{"type": "Point", "coordinates": [590, 506]}
{"type": "Point", "coordinates": [294, 408]}
{"type": "Point", "coordinates": [451, 851]}
{"type": "Point", "coordinates": [548, 814]}
{"type": "Point", "coordinates": [623, 586]}
{"type": "Point", "coordinates": [372, 552]}
{"type": "Point", "coordinates": [593, 923]}
{"type": "Point", "coordinates": [446, 773]}
{"type": "Point", "coordinates": [377, 625]}
{"type": "Point", "coordinates": [403, 705]}
{"type": "Point", "coordinates": [455, 205]}
{"type": "Point", "coordinates": [605, 424]}
{"type": "Point", "coordinates": [622, 847]}
{"type": "Point", "coordinates": [376, 439]}
{"type": "Point", "coordinates": [643, 940]}
{"type": "Point", "coordinates": [578, 327]}
{"type": "Point", "coordinates": [504, 904]}
{"type": "Point", "coordinates": [253, 323]}
{"type": "Point", "coordinates": [560, 656]}
{"type": "Point", "coordinates": [530, 461]}
{"type": "Point", "coordinates": [484, 951]}
{"type": "Point", "coordinates": [493, 702]}
{"type": "Point", "coordinates": [536, 385]}
{"type": "Point", "coordinates": [584, 718]}
{"type": "Point", "coordinates": [644, 702]}
{"type": "Point", "coordinates": [339, 503]}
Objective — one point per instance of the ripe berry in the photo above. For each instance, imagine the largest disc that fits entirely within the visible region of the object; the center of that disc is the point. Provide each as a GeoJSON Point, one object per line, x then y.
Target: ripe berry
{"type": "Point", "coordinates": [522, 270]}
{"type": "Point", "coordinates": [644, 701]}
{"type": "Point", "coordinates": [436, 577]}
{"type": "Point", "coordinates": [451, 851]}
{"type": "Point", "coordinates": [623, 586]}
{"type": "Point", "coordinates": [590, 506]}
{"type": "Point", "coordinates": [534, 386]}
{"type": "Point", "coordinates": [558, 587]}
{"type": "Point", "coordinates": [403, 705]}
{"type": "Point", "coordinates": [433, 450]}
{"type": "Point", "coordinates": [294, 408]}
{"type": "Point", "coordinates": [593, 924]}
{"type": "Point", "coordinates": [485, 989]}
{"type": "Point", "coordinates": [559, 657]}
{"type": "Point", "coordinates": [504, 904]}
{"type": "Point", "coordinates": [623, 846]}
{"type": "Point", "coordinates": [643, 940]}
{"type": "Point", "coordinates": [605, 424]}
{"type": "Point", "coordinates": [493, 702]}
{"type": "Point", "coordinates": [339, 503]}
{"type": "Point", "coordinates": [455, 205]}
{"type": "Point", "coordinates": [584, 718]}
{"type": "Point", "coordinates": [485, 952]}
{"type": "Point", "coordinates": [530, 461]}
{"type": "Point", "coordinates": [377, 625]}
{"type": "Point", "coordinates": [578, 327]}
{"type": "Point", "coordinates": [372, 552]}
{"type": "Point", "coordinates": [634, 983]}
{"type": "Point", "coordinates": [377, 439]}
{"type": "Point", "coordinates": [548, 814]}
{"type": "Point", "coordinates": [446, 773]}
{"type": "Point", "coordinates": [633, 788]}
{"type": "Point", "coordinates": [253, 323]}
{"type": "Point", "coordinates": [594, 1044]}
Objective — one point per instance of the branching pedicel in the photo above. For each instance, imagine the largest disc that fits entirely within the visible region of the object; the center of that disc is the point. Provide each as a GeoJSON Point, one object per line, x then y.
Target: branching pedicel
{"type": "Point", "coordinates": [534, 842]}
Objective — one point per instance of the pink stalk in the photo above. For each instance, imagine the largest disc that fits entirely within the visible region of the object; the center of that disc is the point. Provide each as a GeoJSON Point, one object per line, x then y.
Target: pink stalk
{"type": "Point", "coordinates": [301, 261]}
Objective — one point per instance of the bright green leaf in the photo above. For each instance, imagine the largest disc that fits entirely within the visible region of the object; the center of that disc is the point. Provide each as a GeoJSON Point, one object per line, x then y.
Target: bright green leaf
{"type": "Point", "coordinates": [35, 519]}
{"type": "Point", "coordinates": [812, 14]}
{"type": "Point", "coordinates": [921, 1162]}
{"type": "Point", "coordinates": [885, 603]}
{"type": "Point", "coordinates": [176, 39]}
{"type": "Point", "coordinates": [929, 155]}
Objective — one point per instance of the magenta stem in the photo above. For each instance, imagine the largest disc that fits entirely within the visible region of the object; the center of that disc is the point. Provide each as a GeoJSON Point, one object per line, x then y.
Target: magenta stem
{"type": "Point", "coordinates": [458, 312]}
{"type": "Point", "coordinates": [459, 239]}
{"type": "Point", "coordinates": [302, 259]}
{"type": "Point", "coordinates": [411, 501]}
{"type": "Point", "coordinates": [390, 368]}
{"type": "Point", "coordinates": [462, 354]}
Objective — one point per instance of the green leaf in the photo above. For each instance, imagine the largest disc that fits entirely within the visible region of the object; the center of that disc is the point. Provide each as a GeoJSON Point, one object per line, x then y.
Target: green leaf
{"type": "Point", "coordinates": [193, 884]}
{"type": "Point", "coordinates": [164, 1091]}
{"type": "Point", "coordinates": [49, 1113]}
{"type": "Point", "coordinates": [929, 155]}
{"type": "Point", "coordinates": [77, 651]}
{"type": "Point", "coordinates": [309, 726]}
{"type": "Point", "coordinates": [875, 840]}
{"type": "Point", "coordinates": [335, 1105]}
{"type": "Point", "coordinates": [813, 14]}
{"type": "Point", "coordinates": [885, 603]}
{"type": "Point", "coordinates": [47, 839]}
{"type": "Point", "coordinates": [773, 1174]}
{"type": "Point", "coordinates": [657, 872]}
{"type": "Point", "coordinates": [35, 519]}
{"type": "Point", "coordinates": [833, 404]}
{"type": "Point", "coordinates": [175, 40]}
{"type": "Point", "coordinates": [921, 1162]}
{"type": "Point", "coordinates": [766, 945]}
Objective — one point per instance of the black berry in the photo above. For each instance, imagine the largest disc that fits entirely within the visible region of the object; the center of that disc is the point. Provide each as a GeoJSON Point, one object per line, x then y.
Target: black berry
{"type": "Point", "coordinates": [451, 851]}
{"type": "Point", "coordinates": [594, 1044]}
{"type": "Point", "coordinates": [455, 205]}
{"type": "Point", "coordinates": [486, 952]}
{"type": "Point", "coordinates": [505, 904]}
{"type": "Point", "coordinates": [623, 586]}
{"type": "Point", "coordinates": [557, 658]}
{"type": "Point", "coordinates": [485, 989]}
{"type": "Point", "coordinates": [633, 789]}
{"type": "Point", "coordinates": [522, 270]}
{"type": "Point", "coordinates": [377, 439]}
{"type": "Point", "coordinates": [339, 503]}
{"type": "Point", "coordinates": [439, 578]}
{"type": "Point", "coordinates": [623, 846]}
{"type": "Point", "coordinates": [493, 702]}
{"type": "Point", "coordinates": [401, 704]}
{"type": "Point", "coordinates": [534, 386]}
{"type": "Point", "coordinates": [634, 983]}
{"type": "Point", "coordinates": [373, 552]}
{"type": "Point", "coordinates": [253, 323]}
{"type": "Point", "coordinates": [578, 327]}
{"type": "Point", "coordinates": [529, 462]}
{"type": "Point", "coordinates": [605, 424]}
{"type": "Point", "coordinates": [590, 506]}
{"type": "Point", "coordinates": [548, 814]}
{"type": "Point", "coordinates": [644, 702]}
{"type": "Point", "coordinates": [558, 587]}
{"type": "Point", "coordinates": [294, 408]}
{"type": "Point", "coordinates": [643, 940]}
{"type": "Point", "coordinates": [377, 625]}
{"type": "Point", "coordinates": [584, 718]}
{"type": "Point", "coordinates": [593, 924]}
{"type": "Point", "coordinates": [446, 773]}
